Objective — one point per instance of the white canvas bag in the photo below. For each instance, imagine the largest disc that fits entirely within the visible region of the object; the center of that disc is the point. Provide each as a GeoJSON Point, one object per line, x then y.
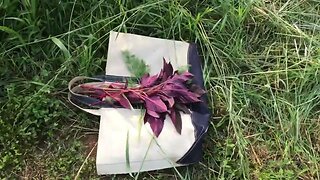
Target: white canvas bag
{"type": "Point", "coordinates": [125, 143]}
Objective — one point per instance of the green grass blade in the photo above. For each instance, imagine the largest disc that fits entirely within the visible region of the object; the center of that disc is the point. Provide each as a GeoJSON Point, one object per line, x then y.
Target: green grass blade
{"type": "Point", "coordinates": [62, 47]}
{"type": "Point", "coordinates": [127, 152]}
{"type": "Point", "coordinates": [12, 32]}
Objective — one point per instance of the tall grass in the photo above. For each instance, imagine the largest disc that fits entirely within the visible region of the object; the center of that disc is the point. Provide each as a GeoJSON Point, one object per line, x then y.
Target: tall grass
{"type": "Point", "coordinates": [261, 63]}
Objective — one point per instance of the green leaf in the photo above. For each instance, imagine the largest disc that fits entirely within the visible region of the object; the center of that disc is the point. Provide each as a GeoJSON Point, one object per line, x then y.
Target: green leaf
{"type": "Point", "coordinates": [183, 69]}
{"type": "Point", "coordinates": [12, 32]}
{"type": "Point", "coordinates": [62, 47]}
{"type": "Point", "coordinates": [135, 65]}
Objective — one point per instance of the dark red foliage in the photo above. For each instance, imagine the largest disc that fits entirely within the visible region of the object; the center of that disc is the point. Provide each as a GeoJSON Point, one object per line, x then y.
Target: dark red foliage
{"type": "Point", "coordinates": [166, 93]}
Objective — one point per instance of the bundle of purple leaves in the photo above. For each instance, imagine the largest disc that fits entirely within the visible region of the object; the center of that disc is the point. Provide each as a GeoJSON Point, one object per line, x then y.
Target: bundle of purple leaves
{"type": "Point", "coordinates": [166, 93]}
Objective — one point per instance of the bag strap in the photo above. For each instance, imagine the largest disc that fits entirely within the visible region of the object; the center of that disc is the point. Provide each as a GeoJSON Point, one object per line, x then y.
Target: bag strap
{"type": "Point", "coordinates": [91, 111]}
{"type": "Point", "coordinates": [79, 97]}
{"type": "Point", "coordinates": [94, 104]}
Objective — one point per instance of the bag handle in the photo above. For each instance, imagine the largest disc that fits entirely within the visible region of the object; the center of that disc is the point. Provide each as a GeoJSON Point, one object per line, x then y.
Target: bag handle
{"type": "Point", "coordinates": [73, 95]}
{"type": "Point", "coordinates": [89, 101]}
{"type": "Point", "coordinates": [95, 112]}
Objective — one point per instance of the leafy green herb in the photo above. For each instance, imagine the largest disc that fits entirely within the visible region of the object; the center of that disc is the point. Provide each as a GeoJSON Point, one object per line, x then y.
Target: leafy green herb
{"type": "Point", "coordinates": [183, 69]}
{"type": "Point", "coordinates": [135, 65]}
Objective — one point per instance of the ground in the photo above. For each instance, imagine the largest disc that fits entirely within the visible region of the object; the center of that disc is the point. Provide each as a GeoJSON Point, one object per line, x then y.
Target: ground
{"type": "Point", "coordinates": [261, 63]}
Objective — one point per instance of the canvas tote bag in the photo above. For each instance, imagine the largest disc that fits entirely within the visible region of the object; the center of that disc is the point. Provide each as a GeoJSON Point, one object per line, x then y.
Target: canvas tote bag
{"type": "Point", "coordinates": [125, 143]}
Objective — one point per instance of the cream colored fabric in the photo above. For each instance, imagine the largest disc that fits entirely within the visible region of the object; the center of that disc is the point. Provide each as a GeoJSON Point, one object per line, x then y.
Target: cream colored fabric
{"type": "Point", "coordinates": [146, 152]}
{"type": "Point", "coordinates": [152, 50]}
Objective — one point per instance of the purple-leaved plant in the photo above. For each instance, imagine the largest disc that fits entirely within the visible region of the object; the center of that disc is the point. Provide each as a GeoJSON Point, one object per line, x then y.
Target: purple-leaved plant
{"type": "Point", "coordinates": [166, 93]}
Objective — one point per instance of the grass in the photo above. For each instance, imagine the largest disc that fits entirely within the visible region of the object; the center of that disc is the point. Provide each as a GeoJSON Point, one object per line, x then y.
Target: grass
{"type": "Point", "coordinates": [261, 64]}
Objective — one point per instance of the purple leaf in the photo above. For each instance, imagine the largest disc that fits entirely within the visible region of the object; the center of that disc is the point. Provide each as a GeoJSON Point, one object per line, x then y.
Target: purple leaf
{"type": "Point", "coordinates": [178, 86]}
{"type": "Point", "coordinates": [100, 93]}
{"type": "Point", "coordinates": [181, 93]}
{"type": "Point", "coordinates": [125, 102]}
{"type": "Point", "coordinates": [166, 71]}
{"type": "Point", "coordinates": [182, 107]}
{"type": "Point", "coordinates": [95, 93]}
{"type": "Point", "coordinates": [156, 124]}
{"type": "Point", "coordinates": [134, 96]}
{"type": "Point", "coordinates": [186, 97]}
{"type": "Point", "coordinates": [168, 99]}
{"type": "Point", "coordinates": [197, 89]}
{"type": "Point", "coordinates": [171, 89]}
{"type": "Point", "coordinates": [187, 74]}
{"type": "Point", "coordinates": [153, 113]}
{"type": "Point", "coordinates": [148, 81]}
{"type": "Point", "coordinates": [121, 99]}
{"type": "Point", "coordinates": [161, 76]}
{"type": "Point", "coordinates": [126, 84]}
{"type": "Point", "coordinates": [176, 119]}
{"type": "Point", "coordinates": [154, 103]}
{"type": "Point", "coordinates": [181, 77]}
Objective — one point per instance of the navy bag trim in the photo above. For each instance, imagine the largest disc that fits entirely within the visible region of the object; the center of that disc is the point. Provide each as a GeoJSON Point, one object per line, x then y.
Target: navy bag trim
{"type": "Point", "coordinates": [200, 113]}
